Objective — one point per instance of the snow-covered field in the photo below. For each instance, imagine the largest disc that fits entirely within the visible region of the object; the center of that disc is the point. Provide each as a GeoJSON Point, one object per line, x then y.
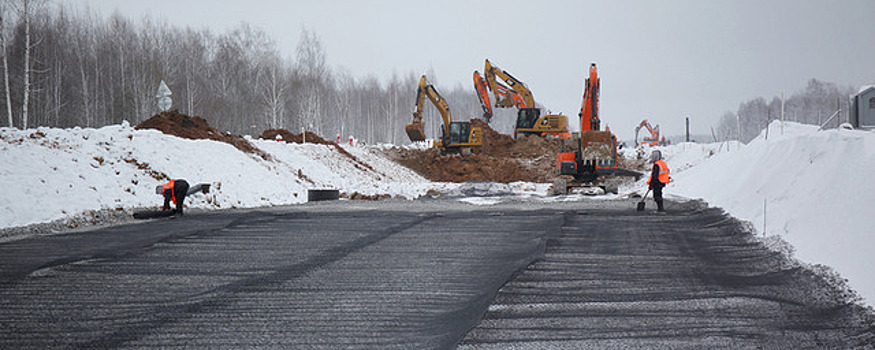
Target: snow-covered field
{"type": "Point", "coordinates": [814, 189]}
{"type": "Point", "coordinates": [54, 173]}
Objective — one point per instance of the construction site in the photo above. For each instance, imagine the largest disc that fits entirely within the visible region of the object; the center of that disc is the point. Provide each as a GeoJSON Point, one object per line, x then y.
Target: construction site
{"type": "Point", "coordinates": [542, 149]}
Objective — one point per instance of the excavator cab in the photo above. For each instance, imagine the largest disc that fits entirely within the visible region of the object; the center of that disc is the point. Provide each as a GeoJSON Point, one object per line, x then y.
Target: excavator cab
{"type": "Point", "coordinates": [526, 119]}
{"type": "Point", "coordinates": [462, 138]}
{"type": "Point", "coordinates": [530, 122]}
{"type": "Point", "coordinates": [458, 132]}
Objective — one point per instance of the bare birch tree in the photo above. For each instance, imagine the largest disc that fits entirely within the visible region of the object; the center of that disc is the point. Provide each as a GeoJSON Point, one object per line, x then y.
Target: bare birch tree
{"type": "Point", "coordinates": [7, 91]}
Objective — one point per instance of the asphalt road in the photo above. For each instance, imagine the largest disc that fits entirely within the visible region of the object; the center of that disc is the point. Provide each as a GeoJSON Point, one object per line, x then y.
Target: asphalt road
{"type": "Point", "coordinates": [419, 275]}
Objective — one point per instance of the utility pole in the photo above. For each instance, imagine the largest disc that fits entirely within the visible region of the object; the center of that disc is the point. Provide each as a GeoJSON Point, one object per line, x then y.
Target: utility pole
{"type": "Point", "coordinates": [738, 128]}
{"type": "Point", "coordinates": [782, 113]}
{"type": "Point", "coordinates": [688, 129]}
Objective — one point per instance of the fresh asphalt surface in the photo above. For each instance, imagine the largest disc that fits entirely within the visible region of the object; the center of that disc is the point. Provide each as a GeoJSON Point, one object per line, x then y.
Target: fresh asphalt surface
{"type": "Point", "coordinates": [420, 275]}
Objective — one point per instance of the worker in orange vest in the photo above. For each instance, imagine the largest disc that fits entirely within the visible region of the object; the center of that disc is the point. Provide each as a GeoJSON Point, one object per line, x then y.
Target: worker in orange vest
{"type": "Point", "coordinates": [659, 177]}
{"type": "Point", "coordinates": [174, 191]}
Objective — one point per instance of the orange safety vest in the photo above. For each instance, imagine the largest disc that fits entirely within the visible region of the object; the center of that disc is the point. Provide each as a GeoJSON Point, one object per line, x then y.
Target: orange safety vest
{"type": "Point", "coordinates": [170, 186]}
{"type": "Point", "coordinates": [663, 172]}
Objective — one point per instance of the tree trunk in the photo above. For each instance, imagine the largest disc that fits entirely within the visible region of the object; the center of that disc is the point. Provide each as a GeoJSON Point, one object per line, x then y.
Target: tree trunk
{"type": "Point", "coordinates": [26, 98]}
{"type": "Point", "coordinates": [5, 66]}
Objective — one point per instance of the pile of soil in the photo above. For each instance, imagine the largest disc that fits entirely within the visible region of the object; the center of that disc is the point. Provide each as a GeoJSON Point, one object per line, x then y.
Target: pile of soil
{"type": "Point", "coordinates": [288, 136]}
{"type": "Point", "coordinates": [500, 159]}
{"type": "Point", "coordinates": [496, 144]}
{"type": "Point", "coordinates": [196, 128]}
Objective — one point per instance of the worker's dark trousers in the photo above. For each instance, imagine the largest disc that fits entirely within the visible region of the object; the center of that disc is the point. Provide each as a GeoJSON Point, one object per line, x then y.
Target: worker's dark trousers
{"type": "Point", "coordinates": [181, 189]}
{"type": "Point", "coordinates": [657, 196]}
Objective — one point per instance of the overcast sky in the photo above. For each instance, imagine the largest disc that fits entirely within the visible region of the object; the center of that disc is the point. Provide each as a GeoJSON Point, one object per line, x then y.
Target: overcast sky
{"type": "Point", "coordinates": [660, 60]}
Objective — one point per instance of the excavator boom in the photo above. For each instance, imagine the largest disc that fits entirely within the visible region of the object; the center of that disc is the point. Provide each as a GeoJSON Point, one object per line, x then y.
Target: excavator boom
{"type": "Point", "coordinates": [492, 74]}
{"type": "Point", "coordinates": [589, 111]}
{"type": "Point", "coordinates": [416, 129]}
{"type": "Point", "coordinates": [483, 95]}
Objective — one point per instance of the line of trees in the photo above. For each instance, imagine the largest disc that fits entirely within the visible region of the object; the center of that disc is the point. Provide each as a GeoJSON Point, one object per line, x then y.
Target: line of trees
{"type": "Point", "coordinates": [813, 105]}
{"type": "Point", "coordinates": [65, 68]}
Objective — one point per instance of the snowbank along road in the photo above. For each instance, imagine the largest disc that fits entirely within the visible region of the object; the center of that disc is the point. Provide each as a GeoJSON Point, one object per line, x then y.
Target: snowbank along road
{"type": "Point", "coordinates": [422, 274]}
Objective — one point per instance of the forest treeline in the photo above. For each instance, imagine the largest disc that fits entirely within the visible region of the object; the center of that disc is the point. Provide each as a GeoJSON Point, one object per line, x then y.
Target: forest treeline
{"type": "Point", "coordinates": [65, 68]}
{"type": "Point", "coordinates": [88, 71]}
{"type": "Point", "coordinates": [814, 104]}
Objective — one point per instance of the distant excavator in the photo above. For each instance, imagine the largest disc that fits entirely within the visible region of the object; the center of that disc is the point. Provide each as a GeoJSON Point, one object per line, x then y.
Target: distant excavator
{"type": "Point", "coordinates": [596, 154]}
{"type": "Point", "coordinates": [516, 94]}
{"type": "Point", "coordinates": [456, 137]}
{"type": "Point", "coordinates": [654, 139]}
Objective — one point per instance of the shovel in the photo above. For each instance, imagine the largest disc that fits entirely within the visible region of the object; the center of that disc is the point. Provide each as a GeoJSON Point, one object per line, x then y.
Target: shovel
{"type": "Point", "coordinates": [641, 203]}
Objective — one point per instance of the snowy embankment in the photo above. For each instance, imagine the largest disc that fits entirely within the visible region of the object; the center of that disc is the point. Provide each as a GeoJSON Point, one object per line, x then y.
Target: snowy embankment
{"type": "Point", "coordinates": [51, 174]}
{"type": "Point", "coordinates": [813, 189]}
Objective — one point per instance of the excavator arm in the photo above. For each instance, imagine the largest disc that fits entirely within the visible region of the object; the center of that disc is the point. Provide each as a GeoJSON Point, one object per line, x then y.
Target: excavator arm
{"type": "Point", "coordinates": [483, 95]}
{"type": "Point", "coordinates": [416, 129]}
{"type": "Point", "coordinates": [589, 110]}
{"type": "Point", "coordinates": [493, 73]}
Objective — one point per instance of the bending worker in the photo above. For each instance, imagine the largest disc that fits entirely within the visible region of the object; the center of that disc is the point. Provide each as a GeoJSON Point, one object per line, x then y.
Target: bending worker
{"type": "Point", "coordinates": [659, 177]}
{"type": "Point", "coordinates": [174, 191]}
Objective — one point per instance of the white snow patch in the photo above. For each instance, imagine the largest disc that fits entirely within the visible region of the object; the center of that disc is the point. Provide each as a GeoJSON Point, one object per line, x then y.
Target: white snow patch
{"type": "Point", "coordinates": [815, 189]}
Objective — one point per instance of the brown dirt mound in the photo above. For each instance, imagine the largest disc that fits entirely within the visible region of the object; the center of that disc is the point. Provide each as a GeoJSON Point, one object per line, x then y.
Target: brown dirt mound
{"type": "Point", "coordinates": [288, 136]}
{"type": "Point", "coordinates": [500, 145]}
{"type": "Point", "coordinates": [195, 128]}
{"type": "Point", "coordinates": [500, 159]}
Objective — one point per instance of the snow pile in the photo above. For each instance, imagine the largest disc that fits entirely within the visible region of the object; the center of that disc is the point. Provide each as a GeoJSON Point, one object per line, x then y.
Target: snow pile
{"type": "Point", "coordinates": [51, 174]}
{"type": "Point", "coordinates": [815, 189]}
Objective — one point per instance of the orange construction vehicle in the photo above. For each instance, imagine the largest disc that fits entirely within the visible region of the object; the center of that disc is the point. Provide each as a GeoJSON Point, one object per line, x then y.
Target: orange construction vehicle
{"type": "Point", "coordinates": [654, 139]}
{"type": "Point", "coordinates": [596, 154]}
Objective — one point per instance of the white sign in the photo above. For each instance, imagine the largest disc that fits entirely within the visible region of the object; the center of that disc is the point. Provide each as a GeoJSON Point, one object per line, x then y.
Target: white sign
{"type": "Point", "coordinates": [163, 96]}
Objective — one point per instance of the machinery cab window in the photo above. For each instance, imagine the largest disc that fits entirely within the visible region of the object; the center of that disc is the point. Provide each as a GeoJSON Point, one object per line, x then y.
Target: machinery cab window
{"type": "Point", "coordinates": [459, 132]}
{"type": "Point", "coordinates": [526, 117]}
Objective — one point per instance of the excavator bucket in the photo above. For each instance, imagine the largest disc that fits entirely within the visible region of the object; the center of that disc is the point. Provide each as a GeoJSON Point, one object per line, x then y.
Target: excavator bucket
{"type": "Point", "coordinates": [415, 131]}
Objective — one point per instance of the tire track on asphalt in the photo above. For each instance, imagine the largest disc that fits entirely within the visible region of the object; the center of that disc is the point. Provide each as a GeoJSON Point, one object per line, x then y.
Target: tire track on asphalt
{"type": "Point", "coordinates": [695, 278]}
{"type": "Point", "coordinates": [226, 293]}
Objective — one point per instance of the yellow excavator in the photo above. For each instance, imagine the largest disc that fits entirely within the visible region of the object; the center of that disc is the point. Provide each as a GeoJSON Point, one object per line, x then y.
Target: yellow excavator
{"type": "Point", "coordinates": [529, 120]}
{"type": "Point", "coordinates": [456, 137]}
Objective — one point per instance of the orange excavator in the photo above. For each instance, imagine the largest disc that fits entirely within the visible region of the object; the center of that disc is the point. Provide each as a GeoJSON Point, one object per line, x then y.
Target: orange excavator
{"type": "Point", "coordinates": [596, 154]}
{"type": "Point", "coordinates": [516, 94]}
{"type": "Point", "coordinates": [654, 139]}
